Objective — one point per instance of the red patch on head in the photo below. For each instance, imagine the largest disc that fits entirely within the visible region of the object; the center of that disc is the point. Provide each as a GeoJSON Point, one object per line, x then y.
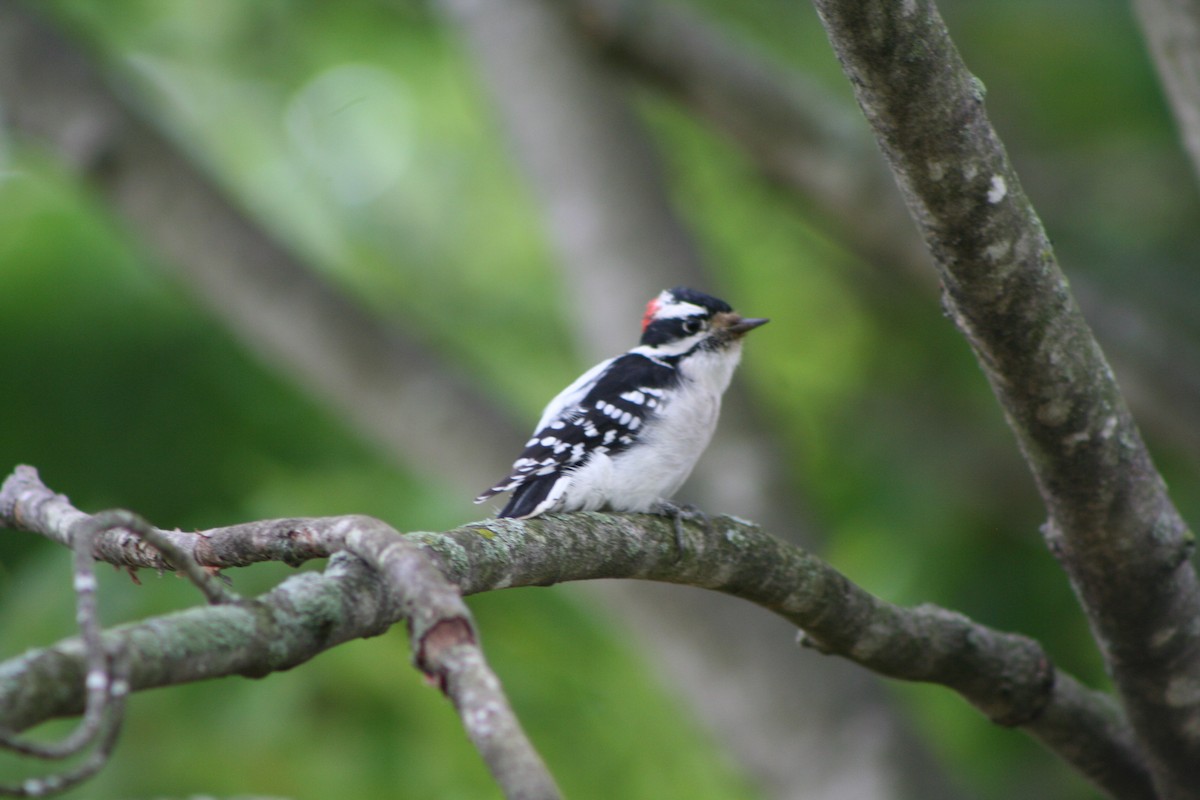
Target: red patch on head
{"type": "Point", "coordinates": [651, 309]}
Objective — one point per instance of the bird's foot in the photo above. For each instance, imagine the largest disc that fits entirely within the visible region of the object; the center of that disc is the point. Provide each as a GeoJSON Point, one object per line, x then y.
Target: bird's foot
{"type": "Point", "coordinates": [680, 514]}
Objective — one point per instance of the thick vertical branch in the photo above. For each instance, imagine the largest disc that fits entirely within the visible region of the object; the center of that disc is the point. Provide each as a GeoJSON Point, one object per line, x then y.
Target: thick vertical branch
{"type": "Point", "coordinates": [1112, 525]}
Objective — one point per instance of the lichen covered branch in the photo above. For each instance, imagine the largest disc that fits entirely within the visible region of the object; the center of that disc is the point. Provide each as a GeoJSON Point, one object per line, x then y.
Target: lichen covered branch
{"type": "Point", "coordinates": [375, 579]}
{"type": "Point", "coordinates": [1007, 676]}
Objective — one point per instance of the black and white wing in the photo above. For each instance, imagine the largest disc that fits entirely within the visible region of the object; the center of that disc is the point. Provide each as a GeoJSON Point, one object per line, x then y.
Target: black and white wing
{"type": "Point", "coordinates": [604, 411]}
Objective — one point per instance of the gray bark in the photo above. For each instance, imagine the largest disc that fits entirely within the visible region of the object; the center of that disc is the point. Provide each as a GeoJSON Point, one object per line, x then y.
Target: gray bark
{"type": "Point", "coordinates": [1006, 676]}
{"type": "Point", "coordinates": [1112, 525]}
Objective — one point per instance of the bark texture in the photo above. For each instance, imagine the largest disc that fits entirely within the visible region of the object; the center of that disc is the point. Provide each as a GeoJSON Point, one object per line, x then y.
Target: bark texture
{"type": "Point", "coordinates": [1111, 524]}
{"type": "Point", "coordinates": [1006, 676]}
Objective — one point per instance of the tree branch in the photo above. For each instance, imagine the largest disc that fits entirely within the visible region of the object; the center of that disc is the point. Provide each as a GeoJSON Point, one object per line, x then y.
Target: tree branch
{"type": "Point", "coordinates": [106, 685]}
{"type": "Point", "coordinates": [375, 579]}
{"type": "Point", "coordinates": [445, 647]}
{"type": "Point", "coordinates": [1007, 676]}
{"type": "Point", "coordinates": [1111, 524]}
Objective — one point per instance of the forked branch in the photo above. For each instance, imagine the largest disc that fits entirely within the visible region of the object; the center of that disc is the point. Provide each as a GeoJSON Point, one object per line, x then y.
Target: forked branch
{"type": "Point", "coordinates": [376, 578]}
{"type": "Point", "coordinates": [1007, 676]}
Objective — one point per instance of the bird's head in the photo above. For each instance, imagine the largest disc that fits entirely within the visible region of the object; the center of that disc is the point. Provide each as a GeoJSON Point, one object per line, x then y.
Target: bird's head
{"type": "Point", "coordinates": [681, 319]}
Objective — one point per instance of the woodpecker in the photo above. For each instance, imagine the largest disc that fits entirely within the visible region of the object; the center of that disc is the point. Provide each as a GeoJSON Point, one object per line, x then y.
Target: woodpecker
{"type": "Point", "coordinates": [626, 434]}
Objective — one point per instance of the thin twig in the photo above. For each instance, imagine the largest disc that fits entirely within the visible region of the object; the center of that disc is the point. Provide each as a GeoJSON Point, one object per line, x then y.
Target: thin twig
{"type": "Point", "coordinates": [106, 681]}
{"type": "Point", "coordinates": [106, 742]}
{"type": "Point", "coordinates": [29, 505]}
{"type": "Point", "coordinates": [98, 680]}
{"type": "Point", "coordinates": [177, 557]}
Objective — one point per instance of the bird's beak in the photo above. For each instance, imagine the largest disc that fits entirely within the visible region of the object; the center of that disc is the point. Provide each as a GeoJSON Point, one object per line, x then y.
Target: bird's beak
{"type": "Point", "coordinates": [737, 326]}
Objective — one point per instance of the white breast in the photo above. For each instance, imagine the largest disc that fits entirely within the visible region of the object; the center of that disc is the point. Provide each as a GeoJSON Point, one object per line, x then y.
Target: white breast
{"type": "Point", "coordinates": [661, 460]}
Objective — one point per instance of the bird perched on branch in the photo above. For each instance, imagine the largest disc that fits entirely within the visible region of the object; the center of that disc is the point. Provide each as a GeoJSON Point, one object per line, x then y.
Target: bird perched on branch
{"type": "Point", "coordinates": [626, 434]}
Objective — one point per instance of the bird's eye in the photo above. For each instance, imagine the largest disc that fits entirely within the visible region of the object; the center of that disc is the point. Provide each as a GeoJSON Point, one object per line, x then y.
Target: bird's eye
{"type": "Point", "coordinates": [692, 326]}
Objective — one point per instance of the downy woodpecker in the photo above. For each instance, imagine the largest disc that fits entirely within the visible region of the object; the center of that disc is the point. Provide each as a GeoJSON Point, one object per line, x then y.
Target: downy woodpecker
{"type": "Point", "coordinates": [626, 434]}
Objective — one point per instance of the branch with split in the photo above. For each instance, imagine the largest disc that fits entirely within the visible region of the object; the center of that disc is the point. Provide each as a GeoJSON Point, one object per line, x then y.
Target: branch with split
{"type": "Point", "coordinates": [375, 579]}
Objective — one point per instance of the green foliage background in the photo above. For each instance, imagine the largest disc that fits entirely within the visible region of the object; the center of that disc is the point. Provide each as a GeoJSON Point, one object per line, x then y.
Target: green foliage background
{"type": "Point", "coordinates": [124, 393]}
